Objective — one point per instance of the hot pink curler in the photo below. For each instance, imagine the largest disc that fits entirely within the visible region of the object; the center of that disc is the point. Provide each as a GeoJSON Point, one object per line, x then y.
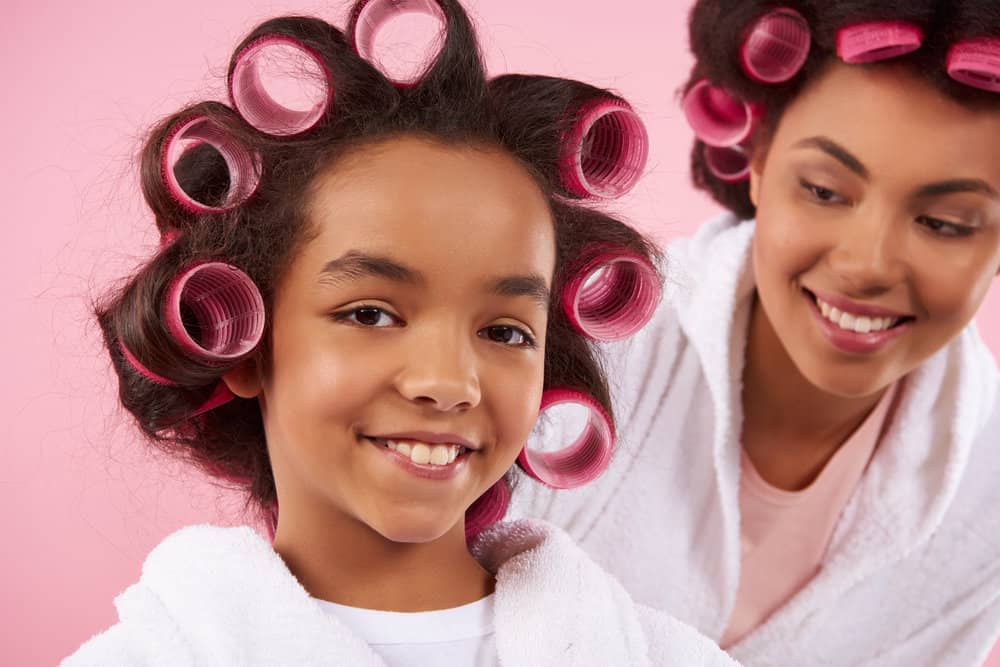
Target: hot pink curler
{"type": "Point", "coordinates": [581, 461]}
{"type": "Point", "coordinates": [877, 40]}
{"type": "Point", "coordinates": [731, 164]}
{"type": "Point", "coordinates": [612, 295]}
{"type": "Point", "coordinates": [139, 368]}
{"type": "Point", "coordinates": [976, 62]}
{"type": "Point", "coordinates": [606, 150]}
{"type": "Point", "coordinates": [227, 310]}
{"type": "Point", "coordinates": [487, 509]}
{"type": "Point", "coordinates": [775, 46]}
{"type": "Point", "coordinates": [274, 66]}
{"type": "Point", "coordinates": [369, 16]}
{"type": "Point", "coordinates": [718, 118]}
{"type": "Point", "coordinates": [244, 166]}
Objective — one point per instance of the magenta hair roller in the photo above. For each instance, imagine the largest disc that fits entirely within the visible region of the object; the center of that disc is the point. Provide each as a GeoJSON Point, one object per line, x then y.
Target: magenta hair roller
{"type": "Point", "coordinates": [584, 459]}
{"type": "Point", "coordinates": [280, 86]}
{"type": "Point", "coordinates": [775, 46]}
{"type": "Point", "coordinates": [487, 509]}
{"type": "Point", "coordinates": [606, 150]}
{"type": "Point", "coordinates": [730, 164]}
{"type": "Point", "coordinates": [243, 165]}
{"type": "Point", "coordinates": [976, 62]}
{"type": "Point", "coordinates": [718, 118]}
{"type": "Point", "coordinates": [612, 295]}
{"type": "Point", "coordinates": [877, 40]}
{"type": "Point", "coordinates": [369, 16]}
{"type": "Point", "coordinates": [227, 312]}
{"type": "Point", "coordinates": [220, 395]}
{"type": "Point", "coordinates": [139, 368]}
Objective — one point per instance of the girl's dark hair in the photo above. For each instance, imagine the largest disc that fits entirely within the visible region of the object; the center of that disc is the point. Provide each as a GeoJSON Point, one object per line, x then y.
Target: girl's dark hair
{"type": "Point", "coordinates": [453, 102]}
{"type": "Point", "coordinates": [717, 29]}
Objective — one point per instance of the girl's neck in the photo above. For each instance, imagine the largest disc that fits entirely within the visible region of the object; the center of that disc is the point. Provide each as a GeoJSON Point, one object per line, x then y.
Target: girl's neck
{"type": "Point", "coordinates": [342, 560]}
{"type": "Point", "coordinates": [791, 428]}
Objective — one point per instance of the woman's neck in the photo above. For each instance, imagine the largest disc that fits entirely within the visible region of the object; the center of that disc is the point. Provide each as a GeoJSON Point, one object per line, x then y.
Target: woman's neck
{"type": "Point", "coordinates": [342, 560]}
{"type": "Point", "coordinates": [791, 428]}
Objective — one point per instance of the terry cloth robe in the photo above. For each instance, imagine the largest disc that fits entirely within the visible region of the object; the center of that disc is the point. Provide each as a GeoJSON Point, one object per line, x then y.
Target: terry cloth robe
{"type": "Point", "coordinates": [222, 596]}
{"type": "Point", "coordinates": [912, 572]}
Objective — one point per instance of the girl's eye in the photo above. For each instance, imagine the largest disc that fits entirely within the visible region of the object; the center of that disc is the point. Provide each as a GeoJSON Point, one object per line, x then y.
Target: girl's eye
{"type": "Point", "coordinates": [367, 316]}
{"type": "Point", "coordinates": [508, 335]}
{"type": "Point", "coordinates": [942, 228]}
{"type": "Point", "coordinates": [821, 194]}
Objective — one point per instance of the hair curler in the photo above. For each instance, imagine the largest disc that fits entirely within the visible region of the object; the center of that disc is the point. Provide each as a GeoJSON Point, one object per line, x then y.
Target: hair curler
{"type": "Point", "coordinates": [606, 150]}
{"type": "Point", "coordinates": [718, 118]}
{"type": "Point", "coordinates": [243, 165]}
{"type": "Point", "coordinates": [369, 16]}
{"type": "Point", "coordinates": [877, 40]}
{"type": "Point", "coordinates": [730, 164]}
{"type": "Point", "coordinates": [487, 509]}
{"type": "Point", "coordinates": [220, 394]}
{"type": "Point", "coordinates": [976, 62]}
{"type": "Point", "coordinates": [584, 459]}
{"type": "Point", "coordinates": [775, 46]}
{"type": "Point", "coordinates": [279, 64]}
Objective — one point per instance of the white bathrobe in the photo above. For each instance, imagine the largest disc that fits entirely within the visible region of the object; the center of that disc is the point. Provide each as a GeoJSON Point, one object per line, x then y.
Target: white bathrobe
{"type": "Point", "coordinates": [222, 596]}
{"type": "Point", "coordinates": [912, 573]}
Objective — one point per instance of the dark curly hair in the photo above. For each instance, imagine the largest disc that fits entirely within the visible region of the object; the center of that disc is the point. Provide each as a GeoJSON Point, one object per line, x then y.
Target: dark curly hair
{"type": "Point", "coordinates": [452, 102]}
{"type": "Point", "coordinates": [717, 29]}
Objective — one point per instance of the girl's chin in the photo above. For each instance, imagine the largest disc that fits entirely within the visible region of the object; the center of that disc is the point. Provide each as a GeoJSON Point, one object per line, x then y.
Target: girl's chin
{"type": "Point", "coordinates": [405, 530]}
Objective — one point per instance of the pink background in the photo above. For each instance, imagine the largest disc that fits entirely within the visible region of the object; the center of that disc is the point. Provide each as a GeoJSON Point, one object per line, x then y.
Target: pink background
{"type": "Point", "coordinates": [83, 501]}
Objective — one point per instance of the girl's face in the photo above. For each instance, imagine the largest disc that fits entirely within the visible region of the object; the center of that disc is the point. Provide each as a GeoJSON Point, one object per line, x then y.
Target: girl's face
{"type": "Point", "coordinates": [408, 338]}
{"type": "Point", "coordinates": [878, 225]}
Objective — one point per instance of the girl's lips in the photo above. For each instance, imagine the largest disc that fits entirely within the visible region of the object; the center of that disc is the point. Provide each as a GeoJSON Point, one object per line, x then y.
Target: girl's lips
{"type": "Point", "coordinates": [423, 470]}
{"type": "Point", "coordinates": [852, 342]}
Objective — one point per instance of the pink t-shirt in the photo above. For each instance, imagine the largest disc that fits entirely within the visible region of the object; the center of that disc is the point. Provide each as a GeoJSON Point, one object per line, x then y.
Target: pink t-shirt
{"type": "Point", "coordinates": [784, 534]}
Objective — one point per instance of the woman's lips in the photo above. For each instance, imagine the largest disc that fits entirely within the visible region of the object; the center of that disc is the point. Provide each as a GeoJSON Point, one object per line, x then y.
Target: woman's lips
{"type": "Point", "coordinates": [883, 326]}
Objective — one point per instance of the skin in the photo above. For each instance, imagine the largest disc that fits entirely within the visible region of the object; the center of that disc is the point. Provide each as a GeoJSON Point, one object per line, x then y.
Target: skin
{"type": "Point", "coordinates": [419, 304]}
{"type": "Point", "coordinates": [845, 207]}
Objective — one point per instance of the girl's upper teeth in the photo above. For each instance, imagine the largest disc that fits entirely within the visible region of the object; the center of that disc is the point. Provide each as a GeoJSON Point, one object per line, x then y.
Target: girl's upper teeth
{"type": "Point", "coordinates": [425, 453]}
{"type": "Point", "coordinates": [856, 323]}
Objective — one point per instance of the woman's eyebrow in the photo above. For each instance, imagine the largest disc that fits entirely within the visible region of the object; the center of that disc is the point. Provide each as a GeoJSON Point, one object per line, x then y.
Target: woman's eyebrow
{"type": "Point", "coordinates": [532, 285]}
{"type": "Point", "coordinates": [354, 264]}
{"type": "Point", "coordinates": [958, 186]}
{"type": "Point", "coordinates": [837, 152]}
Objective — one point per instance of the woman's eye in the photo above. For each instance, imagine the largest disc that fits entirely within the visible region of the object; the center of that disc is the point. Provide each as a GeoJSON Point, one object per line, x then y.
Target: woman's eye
{"type": "Point", "coordinates": [508, 335]}
{"type": "Point", "coordinates": [942, 228]}
{"type": "Point", "coordinates": [367, 316]}
{"type": "Point", "coordinates": [820, 194]}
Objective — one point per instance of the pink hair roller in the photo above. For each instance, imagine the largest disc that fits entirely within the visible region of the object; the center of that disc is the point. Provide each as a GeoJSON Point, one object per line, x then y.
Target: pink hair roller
{"type": "Point", "coordinates": [244, 166]}
{"type": "Point", "coordinates": [731, 164]}
{"type": "Point", "coordinates": [369, 16]}
{"type": "Point", "coordinates": [220, 395]}
{"type": "Point", "coordinates": [612, 295]}
{"type": "Point", "coordinates": [976, 62]}
{"type": "Point", "coordinates": [606, 150]}
{"type": "Point", "coordinates": [877, 40]}
{"type": "Point", "coordinates": [581, 461]}
{"type": "Point", "coordinates": [276, 63]}
{"type": "Point", "coordinates": [227, 307]}
{"type": "Point", "coordinates": [718, 118]}
{"type": "Point", "coordinates": [487, 509]}
{"type": "Point", "coordinates": [775, 46]}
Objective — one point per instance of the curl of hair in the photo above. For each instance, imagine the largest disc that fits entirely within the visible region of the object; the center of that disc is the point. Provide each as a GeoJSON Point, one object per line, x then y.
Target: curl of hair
{"type": "Point", "coordinates": [453, 104]}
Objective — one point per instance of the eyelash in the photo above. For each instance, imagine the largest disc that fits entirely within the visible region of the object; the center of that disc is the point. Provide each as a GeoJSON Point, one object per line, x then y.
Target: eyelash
{"type": "Point", "coordinates": [350, 316]}
{"type": "Point", "coordinates": [813, 191]}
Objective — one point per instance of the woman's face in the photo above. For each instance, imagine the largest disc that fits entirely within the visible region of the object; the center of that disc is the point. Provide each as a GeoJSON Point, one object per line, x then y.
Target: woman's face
{"type": "Point", "coordinates": [408, 338]}
{"type": "Point", "coordinates": [878, 225]}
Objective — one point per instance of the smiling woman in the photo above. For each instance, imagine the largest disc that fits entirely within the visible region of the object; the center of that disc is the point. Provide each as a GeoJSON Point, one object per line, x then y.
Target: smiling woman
{"type": "Point", "coordinates": [816, 417]}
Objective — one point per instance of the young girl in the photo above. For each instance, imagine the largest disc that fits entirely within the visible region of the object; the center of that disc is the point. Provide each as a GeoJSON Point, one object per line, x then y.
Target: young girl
{"type": "Point", "coordinates": [359, 307]}
{"type": "Point", "coordinates": [809, 463]}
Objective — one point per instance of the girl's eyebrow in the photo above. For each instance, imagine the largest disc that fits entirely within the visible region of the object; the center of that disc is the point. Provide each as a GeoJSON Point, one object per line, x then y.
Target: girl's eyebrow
{"type": "Point", "coordinates": [355, 264]}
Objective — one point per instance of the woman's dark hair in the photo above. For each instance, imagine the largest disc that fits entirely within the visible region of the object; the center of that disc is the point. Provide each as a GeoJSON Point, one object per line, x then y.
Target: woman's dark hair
{"type": "Point", "coordinates": [453, 102]}
{"type": "Point", "coordinates": [717, 29]}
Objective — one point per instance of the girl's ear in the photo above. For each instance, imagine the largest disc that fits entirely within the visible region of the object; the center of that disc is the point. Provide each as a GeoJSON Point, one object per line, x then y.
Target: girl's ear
{"type": "Point", "coordinates": [758, 155]}
{"type": "Point", "coordinates": [244, 379]}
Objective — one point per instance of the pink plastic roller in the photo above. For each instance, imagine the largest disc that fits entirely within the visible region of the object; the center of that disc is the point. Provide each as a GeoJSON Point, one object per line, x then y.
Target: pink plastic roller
{"type": "Point", "coordinates": [976, 62]}
{"type": "Point", "coordinates": [775, 46]}
{"type": "Point", "coordinates": [877, 40]}
{"type": "Point", "coordinates": [487, 509]}
{"type": "Point", "coordinates": [280, 86]}
{"type": "Point", "coordinates": [731, 164]}
{"type": "Point", "coordinates": [220, 395]}
{"type": "Point", "coordinates": [612, 295]}
{"type": "Point", "coordinates": [227, 312]}
{"type": "Point", "coordinates": [243, 165]}
{"type": "Point", "coordinates": [606, 150]}
{"type": "Point", "coordinates": [370, 16]}
{"type": "Point", "coordinates": [718, 118]}
{"type": "Point", "coordinates": [584, 459]}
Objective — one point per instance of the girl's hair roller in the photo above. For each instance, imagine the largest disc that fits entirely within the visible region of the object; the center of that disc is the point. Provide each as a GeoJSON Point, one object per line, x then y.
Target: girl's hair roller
{"type": "Point", "coordinates": [487, 509]}
{"type": "Point", "coordinates": [368, 17]}
{"type": "Point", "coordinates": [606, 150]}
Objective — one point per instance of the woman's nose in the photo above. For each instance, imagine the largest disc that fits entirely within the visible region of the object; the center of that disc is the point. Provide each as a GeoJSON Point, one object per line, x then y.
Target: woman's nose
{"type": "Point", "coordinates": [868, 255]}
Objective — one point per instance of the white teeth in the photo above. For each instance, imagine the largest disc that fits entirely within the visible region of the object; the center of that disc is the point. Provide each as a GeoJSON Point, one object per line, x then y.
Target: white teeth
{"type": "Point", "coordinates": [425, 453]}
{"type": "Point", "coordinates": [855, 323]}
